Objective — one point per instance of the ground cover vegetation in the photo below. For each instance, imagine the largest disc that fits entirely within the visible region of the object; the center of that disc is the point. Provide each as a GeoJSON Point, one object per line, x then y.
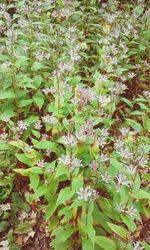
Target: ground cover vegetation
{"type": "Point", "coordinates": [74, 125]}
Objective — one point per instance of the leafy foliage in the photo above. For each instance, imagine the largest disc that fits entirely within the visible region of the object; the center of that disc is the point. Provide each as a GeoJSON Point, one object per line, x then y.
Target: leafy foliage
{"type": "Point", "coordinates": [74, 132]}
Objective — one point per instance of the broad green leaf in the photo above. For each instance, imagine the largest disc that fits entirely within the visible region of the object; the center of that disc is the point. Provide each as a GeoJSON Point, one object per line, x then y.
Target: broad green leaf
{"type": "Point", "coordinates": [34, 180]}
{"type": "Point", "coordinates": [39, 99]}
{"type": "Point", "coordinates": [119, 230]}
{"type": "Point", "coordinates": [36, 66]}
{"type": "Point", "coordinates": [40, 192]}
{"type": "Point", "coordinates": [6, 95]}
{"type": "Point", "coordinates": [24, 159]}
{"type": "Point", "coordinates": [87, 244]}
{"type": "Point", "coordinates": [105, 243]}
{"type": "Point", "coordinates": [141, 194]}
{"type": "Point", "coordinates": [64, 195]}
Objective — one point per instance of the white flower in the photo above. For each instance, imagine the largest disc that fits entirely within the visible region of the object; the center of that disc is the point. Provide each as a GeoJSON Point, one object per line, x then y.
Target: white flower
{"type": "Point", "coordinates": [118, 144]}
{"type": "Point", "coordinates": [4, 245]}
{"type": "Point", "coordinates": [87, 194]}
{"type": "Point", "coordinates": [21, 125]}
{"type": "Point", "coordinates": [143, 162]}
{"type": "Point", "coordinates": [40, 163]}
{"type": "Point", "coordinates": [105, 177]}
{"type": "Point", "coordinates": [102, 141]}
{"type": "Point", "coordinates": [28, 148]}
{"type": "Point", "coordinates": [48, 119]}
{"type": "Point", "coordinates": [125, 153]}
{"type": "Point", "coordinates": [38, 125]}
{"type": "Point", "coordinates": [69, 140]}
{"type": "Point", "coordinates": [80, 135]}
{"type": "Point", "coordinates": [93, 165]}
{"type": "Point", "coordinates": [64, 159]}
{"type": "Point", "coordinates": [131, 75]}
{"type": "Point", "coordinates": [146, 94]}
{"type": "Point", "coordinates": [71, 162]}
{"type": "Point", "coordinates": [47, 91]}
{"type": "Point", "coordinates": [5, 207]}
{"type": "Point", "coordinates": [136, 246]}
{"type": "Point", "coordinates": [132, 169]}
{"type": "Point", "coordinates": [131, 211]}
{"type": "Point", "coordinates": [124, 131]}
{"type": "Point", "coordinates": [104, 157]}
{"type": "Point", "coordinates": [120, 208]}
{"type": "Point", "coordinates": [3, 136]}
{"type": "Point", "coordinates": [122, 181]}
{"type": "Point", "coordinates": [104, 100]}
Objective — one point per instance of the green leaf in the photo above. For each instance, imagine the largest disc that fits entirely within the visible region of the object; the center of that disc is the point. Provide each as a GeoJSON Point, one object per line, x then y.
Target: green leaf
{"type": "Point", "coordinates": [34, 180]}
{"type": "Point", "coordinates": [129, 222]}
{"type": "Point", "coordinates": [87, 244]}
{"type": "Point", "coordinates": [39, 99]}
{"type": "Point", "coordinates": [127, 102]}
{"type": "Point", "coordinates": [64, 195]}
{"type": "Point", "coordinates": [3, 226]}
{"type": "Point", "coordinates": [105, 243]}
{"type": "Point", "coordinates": [23, 158]}
{"type": "Point", "coordinates": [119, 230]}
{"type": "Point", "coordinates": [50, 210]}
{"type": "Point", "coordinates": [36, 66]}
{"type": "Point", "coordinates": [77, 183]}
{"type": "Point", "coordinates": [6, 95]}
{"type": "Point", "coordinates": [133, 124]}
{"type": "Point", "coordinates": [40, 192]}
{"type": "Point", "coordinates": [141, 194]}
{"type": "Point", "coordinates": [137, 112]}
{"type": "Point", "coordinates": [45, 145]}
{"type": "Point", "coordinates": [116, 164]}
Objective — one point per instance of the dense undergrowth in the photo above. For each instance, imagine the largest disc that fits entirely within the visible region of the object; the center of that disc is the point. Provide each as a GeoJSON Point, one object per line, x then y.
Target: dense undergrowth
{"type": "Point", "coordinates": [74, 125]}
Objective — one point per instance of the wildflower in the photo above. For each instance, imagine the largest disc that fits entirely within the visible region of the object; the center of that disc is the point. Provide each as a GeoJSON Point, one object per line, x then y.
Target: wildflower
{"type": "Point", "coordinates": [69, 161]}
{"type": "Point", "coordinates": [102, 141]}
{"type": "Point", "coordinates": [3, 136]}
{"type": "Point", "coordinates": [118, 144]}
{"type": "Point", "coordinates": [22, 126]}
{"type": "Point", "coordinates": [125, 153]}
{"type": "Point", "coordinates": [146, 94]}
{"type": "Point", "coordinates": [136, 246]}
{"type": "Point", "coordinates": [120, 208]}
{"type": "Point", "coordinates": [69, 140]}
{"type": "Point", "coordinates": [48, 119]}
{"type": "Point", "coordinates": [104, 157]}
{"type": "Point", "coordinates": [44, 137]}
{"type": "Point", "coordinates": [12, 35]}
{"type": "Point", "coordinates": [47, 91]}
{"type": "Point", "coordinates": [132, 169]}
{"type": "Point", "coordinates": [40, 163]}
{"type": "Point", "coordinates": [81, 136]}
{"type": "Point", "coordinates": [122, 180]}
{"type": "Point", "coordinates": [64, 159]}
{"type": "Point", "coordinates": [131, 211]}
{"type": "Point", "coordinates": [124, 131]}
{"type": "Point", "coordinates": [142, 162]}
{"type": "Point", "coordinates": [6, 119]}
{"type": "Point", "coordinates": [131, 75]}
{"type": "Point", "coordinates": [93, 166]}
{"type": "Point", "coordinates": [104, 100]}
{"type": "Point", "coordinates": [38, 125]}
{"type": "Point", "coordinates": [4, 244]}
{"type": "Point", "coordinates": [105, 177]}
{"type": "Point", "coordinates": [28, 148]}
{"type": "Point", "coordinates": [5, 207]}
{"type": "Point", "coordinates": [87, 194]}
